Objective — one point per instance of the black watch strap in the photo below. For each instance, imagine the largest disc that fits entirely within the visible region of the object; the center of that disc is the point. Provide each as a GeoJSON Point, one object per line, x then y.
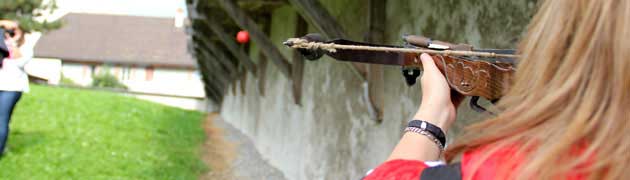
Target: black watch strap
{"type": "Point", "coordinates": [433, 129]}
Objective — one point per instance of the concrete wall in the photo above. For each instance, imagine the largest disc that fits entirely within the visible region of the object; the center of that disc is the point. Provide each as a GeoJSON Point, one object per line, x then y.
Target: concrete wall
{"type": "Point", "coordinates": [330, 136]}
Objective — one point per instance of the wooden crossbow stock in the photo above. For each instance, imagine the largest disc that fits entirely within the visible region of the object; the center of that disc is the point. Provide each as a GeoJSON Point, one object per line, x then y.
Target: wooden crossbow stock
{"type": "Point", "coordinates": [470, 72]}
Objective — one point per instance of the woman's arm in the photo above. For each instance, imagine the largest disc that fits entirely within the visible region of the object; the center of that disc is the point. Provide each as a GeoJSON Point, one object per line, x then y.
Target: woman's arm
{"type": "Point", "coordinates": [436, 107]}
{"type": "Point", "coordinates": [25, 55]}
{"type": "Point", "coordinates": [20, 56]}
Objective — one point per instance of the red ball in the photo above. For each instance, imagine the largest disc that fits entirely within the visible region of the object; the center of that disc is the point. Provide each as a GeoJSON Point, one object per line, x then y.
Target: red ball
{"type": "Point", "coordinates": [242, 37]}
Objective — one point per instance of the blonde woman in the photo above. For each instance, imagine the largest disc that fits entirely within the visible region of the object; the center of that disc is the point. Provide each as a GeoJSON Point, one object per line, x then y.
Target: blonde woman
{"type": "Point", "coordinates": [13, 78]}
{"type": "Point", "coordinates": [566, 115]}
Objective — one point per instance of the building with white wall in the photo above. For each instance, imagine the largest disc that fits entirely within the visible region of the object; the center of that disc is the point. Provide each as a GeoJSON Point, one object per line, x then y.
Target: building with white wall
{"type": "Point", "coordinates": [147, 54]}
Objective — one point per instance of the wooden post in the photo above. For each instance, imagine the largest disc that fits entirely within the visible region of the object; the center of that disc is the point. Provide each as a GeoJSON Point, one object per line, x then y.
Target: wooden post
{"type": "Point", "coordinates": [262, 59]}
{"type": "Point", "coordinates": [231, 45]}
{"type": "Point", "coordinates": [376, 34]}
{"type": "Point", "coordinates": [301, 28]}
{"type": "Point", "coordinates": [262, 70]}
{"type": "Point", "coordinates": [270, 50]}
{"type": "Point", "coordinates": [243, 80]}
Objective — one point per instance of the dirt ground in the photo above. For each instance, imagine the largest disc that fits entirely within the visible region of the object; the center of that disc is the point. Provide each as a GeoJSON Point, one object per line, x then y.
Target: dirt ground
{"type": "Point", "coordinates": [217, 153]}
{"type": "Point", "coordinates": [232, 155]}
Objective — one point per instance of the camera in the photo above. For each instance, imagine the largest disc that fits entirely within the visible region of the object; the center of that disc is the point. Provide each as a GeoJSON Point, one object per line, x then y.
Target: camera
{"type": "Point", "coordinates": [11, 32]}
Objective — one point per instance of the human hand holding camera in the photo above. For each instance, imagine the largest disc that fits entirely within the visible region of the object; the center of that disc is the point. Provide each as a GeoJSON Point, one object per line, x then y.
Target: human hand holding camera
{"type": "Point", "coordinates": [11, 37]}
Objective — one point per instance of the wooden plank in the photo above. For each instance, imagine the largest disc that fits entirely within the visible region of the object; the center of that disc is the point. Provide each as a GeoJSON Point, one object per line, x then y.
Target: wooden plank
{"type": "Point", "coordinates": [245, 22]}
{"type": "Point", "coordinates": [315, 13]}
{"type": "Point", "coordinates": [231, 45]}
{"type": "Point", "coordinates": [301, 27]}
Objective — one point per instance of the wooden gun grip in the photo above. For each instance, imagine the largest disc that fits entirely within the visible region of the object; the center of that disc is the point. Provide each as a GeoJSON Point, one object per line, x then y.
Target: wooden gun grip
{"type": "Point", "coordinates": [475, 78]}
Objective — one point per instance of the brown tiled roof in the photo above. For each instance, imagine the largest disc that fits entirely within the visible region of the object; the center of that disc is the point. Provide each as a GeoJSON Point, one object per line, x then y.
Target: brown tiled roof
{"type": "Point", "coordinates": [117, 39]}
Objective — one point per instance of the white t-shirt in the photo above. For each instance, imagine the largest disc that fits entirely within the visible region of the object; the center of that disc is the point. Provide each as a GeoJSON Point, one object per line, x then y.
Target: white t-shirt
{"type": "Point", "coordinates": [12, 74]}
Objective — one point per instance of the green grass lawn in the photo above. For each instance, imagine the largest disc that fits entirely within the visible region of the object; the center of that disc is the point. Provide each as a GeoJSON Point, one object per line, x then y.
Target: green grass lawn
{"type": "Point", "coordinates": [59, 133]}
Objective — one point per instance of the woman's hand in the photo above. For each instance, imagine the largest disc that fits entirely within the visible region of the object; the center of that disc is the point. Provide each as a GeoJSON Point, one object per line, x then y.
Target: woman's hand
{"type": "Point", "coordinates": [437, 107]}
{"type": "Point", "coordinates": [7, 24]}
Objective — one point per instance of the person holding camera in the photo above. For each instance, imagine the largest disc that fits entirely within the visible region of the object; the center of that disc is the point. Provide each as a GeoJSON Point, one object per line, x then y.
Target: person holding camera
{"type": "Point", "coordinates": [13, 78]}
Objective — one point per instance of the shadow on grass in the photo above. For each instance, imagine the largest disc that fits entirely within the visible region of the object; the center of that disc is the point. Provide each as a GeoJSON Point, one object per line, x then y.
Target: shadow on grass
{"type": "Point", "coordinates": [19, 141]}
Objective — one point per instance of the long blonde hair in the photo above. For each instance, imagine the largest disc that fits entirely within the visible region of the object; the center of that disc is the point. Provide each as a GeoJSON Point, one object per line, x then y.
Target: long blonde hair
{"type": "Point", "coordinates": [572, 87]}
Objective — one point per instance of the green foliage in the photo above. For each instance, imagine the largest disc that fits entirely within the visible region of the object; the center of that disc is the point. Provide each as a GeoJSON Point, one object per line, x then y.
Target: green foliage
{"type": "Point", "coordinates": [67, 81]}
{"type": "Point", "coordinates": [106, 79]}
{"type": "Point", "coordinates": [59, 133]}
{"type": "Point", "coordinates": [25, 12]}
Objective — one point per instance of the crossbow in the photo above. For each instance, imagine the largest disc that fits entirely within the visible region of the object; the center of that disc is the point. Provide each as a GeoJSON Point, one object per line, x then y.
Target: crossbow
{"type": "Point", "coordinates": [470, 72]}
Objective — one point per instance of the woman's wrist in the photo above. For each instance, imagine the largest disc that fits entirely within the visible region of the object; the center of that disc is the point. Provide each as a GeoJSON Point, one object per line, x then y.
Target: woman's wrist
{"type": "Point", "coordinates": [440, 117]}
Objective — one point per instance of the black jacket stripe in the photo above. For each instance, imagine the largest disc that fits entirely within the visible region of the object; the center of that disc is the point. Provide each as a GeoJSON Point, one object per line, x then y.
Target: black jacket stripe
{"type": "Point", "coordinates": [445, 172]}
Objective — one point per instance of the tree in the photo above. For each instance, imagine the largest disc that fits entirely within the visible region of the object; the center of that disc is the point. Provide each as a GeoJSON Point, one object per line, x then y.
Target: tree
{"type": "Point", "coordinates": [26, 12]}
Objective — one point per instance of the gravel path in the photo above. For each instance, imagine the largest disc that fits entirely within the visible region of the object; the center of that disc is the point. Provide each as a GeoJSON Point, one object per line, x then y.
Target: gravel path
{"type": "Point", "coordinates": [248, 163]}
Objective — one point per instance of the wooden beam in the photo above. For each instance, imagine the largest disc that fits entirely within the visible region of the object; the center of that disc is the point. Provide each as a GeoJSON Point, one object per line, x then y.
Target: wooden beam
{"type": "Point", "coordinates": [301, 28]}
{"type": "Point", "coordinates": [218, 53]}
{"type": "Point", "coordinates": [213, 68]}
{"type": "Point", "coordinates": [231, 45]}
{"type": "Point", "coordinates": [376, 21]}
{"type": "Point", "coordinates": [204, 34]}
{"type": "Point", "coordinates": [315, 13]}
{"type": "Point", "coordinates": [270, 50]}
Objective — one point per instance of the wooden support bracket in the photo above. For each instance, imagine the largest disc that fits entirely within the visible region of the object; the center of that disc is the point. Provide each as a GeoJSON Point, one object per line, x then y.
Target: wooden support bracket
{"type": "Point", "coordinates": [301, 28]}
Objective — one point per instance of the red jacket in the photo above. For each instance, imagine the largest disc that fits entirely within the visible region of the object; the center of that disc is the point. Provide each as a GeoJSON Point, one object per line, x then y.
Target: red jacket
{"type": "Point", "coordinates": [498, 164]}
